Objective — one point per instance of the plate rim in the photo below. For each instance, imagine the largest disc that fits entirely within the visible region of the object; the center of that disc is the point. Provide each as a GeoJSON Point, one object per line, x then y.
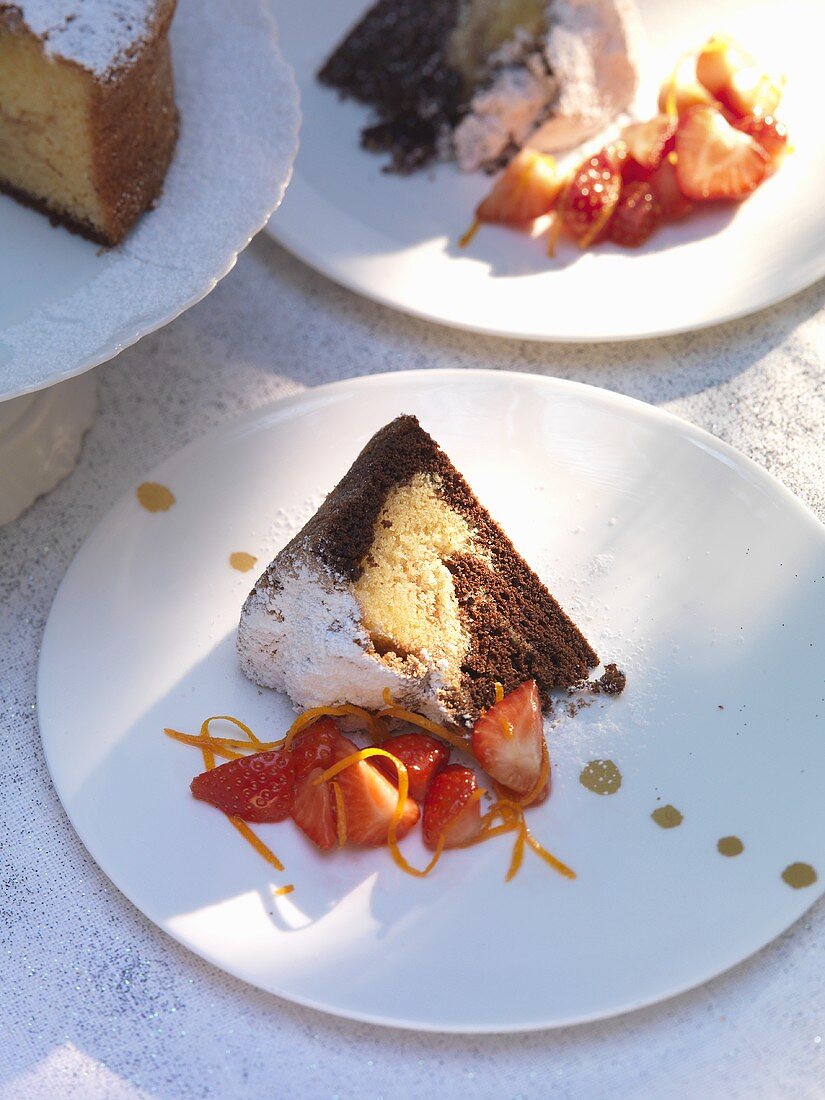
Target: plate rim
{"type": "Point", "coordinates": [130, 332]}
{"type": "Point", "coordinates": [336, 272]}
{"type": "Point", "coordinates": [238, 425]}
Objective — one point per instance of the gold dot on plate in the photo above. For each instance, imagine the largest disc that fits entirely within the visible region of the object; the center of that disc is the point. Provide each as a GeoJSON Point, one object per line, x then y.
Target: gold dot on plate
{"type": "Point", "coordinates": [667, 817]}
{"type": "Point", "coordinates": [154, 497]}
{"type": "Point", "coordinates": [799, 875]}
{"type": "Point", "coordinates": [601, 777]}
{"type": "Point", "coordinates": [242, 561]}
{"type": "Point", "coordinates": [730, 846]}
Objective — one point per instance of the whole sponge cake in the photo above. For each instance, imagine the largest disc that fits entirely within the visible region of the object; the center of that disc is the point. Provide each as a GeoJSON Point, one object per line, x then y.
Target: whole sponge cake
{"type": "Point", "coordinates": [87, 114]}
{"type": "Point", "coordinates": [403, 581]}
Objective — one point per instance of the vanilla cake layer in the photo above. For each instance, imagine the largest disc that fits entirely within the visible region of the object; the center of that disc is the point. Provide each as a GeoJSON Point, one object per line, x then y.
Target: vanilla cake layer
{"type": "Point", "coordinates": [403, 581]}
{"type": "Point", "coordinates": [87, 117]}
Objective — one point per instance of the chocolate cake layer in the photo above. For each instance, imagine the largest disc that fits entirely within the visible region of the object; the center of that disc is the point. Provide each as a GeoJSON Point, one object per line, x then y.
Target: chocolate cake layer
{"type": "Point", "coordinates": [394, 60]}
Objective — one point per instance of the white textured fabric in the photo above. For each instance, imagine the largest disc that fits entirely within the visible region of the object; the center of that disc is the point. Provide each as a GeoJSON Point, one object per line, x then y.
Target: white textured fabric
{"type": "Point", "coordinates": [96, 1003]}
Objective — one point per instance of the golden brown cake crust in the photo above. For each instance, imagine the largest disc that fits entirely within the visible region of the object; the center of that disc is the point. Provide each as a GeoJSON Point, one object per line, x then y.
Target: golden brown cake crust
{"type": "Point", "coordinates": [134, 130]}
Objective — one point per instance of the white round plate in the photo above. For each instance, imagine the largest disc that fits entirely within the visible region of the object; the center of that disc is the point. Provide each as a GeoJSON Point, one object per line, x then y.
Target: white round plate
{"type": "Point", "coordinates": [684, 562]}
{"type": "Point", "coordinates": [394, 239]}
{"type": "Point", "coordinates": [67, 305]}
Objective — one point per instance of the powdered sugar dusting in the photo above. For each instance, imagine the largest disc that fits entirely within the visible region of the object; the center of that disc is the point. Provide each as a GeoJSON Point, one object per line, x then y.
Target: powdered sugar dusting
{"type": "Point", "coordinates": [100, 35]}
{"type": "Point", "coordinates": [555, 94]}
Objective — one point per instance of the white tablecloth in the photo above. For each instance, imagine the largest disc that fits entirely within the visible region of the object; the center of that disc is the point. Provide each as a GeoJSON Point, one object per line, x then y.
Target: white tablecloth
{"type": "Point", "coordinates": [96, 1002]}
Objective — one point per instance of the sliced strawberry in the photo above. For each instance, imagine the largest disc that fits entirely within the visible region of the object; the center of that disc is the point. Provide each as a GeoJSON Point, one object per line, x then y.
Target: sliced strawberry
{"type": "Point", "coordinates": [637, 216]}
{"type": "Point", "coordinates": [369, 801]}
{"type": "Point", "coordinates": [313, 811]}
{"type": "Point", "coordinates": [715, 161]}
{"type": "Point", "coordinates": [508, 739]}
{"type": "Point", "coordinates": [665, 186]}
{"type": "Point", "coordinates": [768, 132]}
{"type": "Point", "coordinates": [646, 141]}
{"type": "Point", "coordinates": [750, 91]}
{"type": "Point", "coordinates": [632, 172]}
{"type": "Point", "coordinates": [587, 202]}
{"type": "Point", "coordinates": [315, 747]}
{"type": "Point", "coordinates": [451, 808]}
{"type": "Point", "coordinates": [256, 788]}
{"type": "Point", "coordinates": [683, 90]}
{"type": "Point", "coordinates": [717, 62]}
{"type": "Point", "coordinates": [423, 757]}
{"type": "Point", "coordinates": [527, 188]}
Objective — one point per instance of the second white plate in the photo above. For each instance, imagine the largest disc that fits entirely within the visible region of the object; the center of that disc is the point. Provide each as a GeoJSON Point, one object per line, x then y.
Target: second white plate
{"type": "Point", "coordinates": [680, 559]}
{"type": "Point", "coordinates": [394, 239]}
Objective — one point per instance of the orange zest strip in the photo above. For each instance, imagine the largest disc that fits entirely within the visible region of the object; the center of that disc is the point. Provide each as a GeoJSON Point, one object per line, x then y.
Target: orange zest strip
{"type": "Point", "coordinates": [506, 727]}
{"type": "Point", "coordinates": [205, 743]}
{"type": "Point", "coordinates": [398, 812]}
{"type": "Point", "coordinates": [208, 754]}
{"type": "Point", "coordinates": [256, 843]}
{"type": "Point", "coordinates": [553, 234]}
{"type": "Point", "coordinates": [242, 726]}
{"type": "Point", "coordinates": [548, 857]}
{"type": "Point", "coordinates": [517, 856]}
{"type": "Point", "coordinates": [340, 813]}
{"type": "Point", "coordinates": [314, 713]}
{"type": "Point", "coordinates": [467, 237]}
{"type": "Point", "coordinates": [286, 889]}
{"type": "Point", "coordinates": [393, 711]}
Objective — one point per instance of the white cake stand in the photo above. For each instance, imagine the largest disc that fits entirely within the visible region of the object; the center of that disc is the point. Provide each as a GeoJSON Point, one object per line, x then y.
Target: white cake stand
{"type": "Point", "coordinates": [67, 306]}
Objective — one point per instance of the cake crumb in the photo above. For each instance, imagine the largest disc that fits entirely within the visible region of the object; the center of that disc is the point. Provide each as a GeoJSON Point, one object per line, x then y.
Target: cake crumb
{"type": "Point", "coordinates": [611, 682]}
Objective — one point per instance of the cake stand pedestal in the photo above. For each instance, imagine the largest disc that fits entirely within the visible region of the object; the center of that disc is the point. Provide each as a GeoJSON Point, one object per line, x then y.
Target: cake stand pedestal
{"type": "Point", "coordinates": [41, 435]}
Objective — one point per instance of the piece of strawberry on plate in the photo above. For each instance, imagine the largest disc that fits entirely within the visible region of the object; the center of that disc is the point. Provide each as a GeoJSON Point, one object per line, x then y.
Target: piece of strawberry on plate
{"type": "Point", "coordinates": [369, 801]}
{"type": "Point", "coordinates": [714, 160]}
{"type": "Point", "coordinates": [422, 756]}
{"type": "Point", "coordinates": [452, 808]}
{"type": "Point", "coordinates": [258, 788]}
{"type": "Point", "coordinates": [508, 740]}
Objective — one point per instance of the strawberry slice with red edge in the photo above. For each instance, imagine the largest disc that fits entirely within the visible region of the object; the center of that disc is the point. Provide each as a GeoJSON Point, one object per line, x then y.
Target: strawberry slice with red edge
{"type": "Point", "coordinates": [647, 141]}
{"type": "Point", "coordinates": [664, 184]}
{"type": "Point", "coordinates": [315, 747]}
{"type": "Point", "coordinates": [423, 757]}
{"type": "Point", "coordinates": [258, 788]}
{"type": "Point", "coordinates": [715, 160]}
{"type": "Point", "coordinates": [586, 204]}
{"type": "Point", "coordinates": [508, 740]}
{"type": "Point", "coordinates": [370, 800]}
{"type": "Point", "coordinates": [314, 810]}
{"type": "Point", "coordinates": [767, 131]}
{"type": "Point", "coordinates": [637, 216]}
{"type": "Point", "coordinates": [452, 808]}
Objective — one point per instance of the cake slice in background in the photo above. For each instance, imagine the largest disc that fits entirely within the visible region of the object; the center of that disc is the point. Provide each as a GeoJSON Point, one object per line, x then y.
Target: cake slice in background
{"type": "Point", "coordinates": [87, 115]}
{"type": "Point", "coordinates": [403, 581]}
{"type": "Point", "coordinates": [477, 80]}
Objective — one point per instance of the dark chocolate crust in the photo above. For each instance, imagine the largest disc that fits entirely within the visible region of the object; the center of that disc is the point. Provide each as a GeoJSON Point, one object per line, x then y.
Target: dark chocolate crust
{"type": "Point", "coordinates": [394, 60]}
{"type": "Point", "coordinates": [517, 629]}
